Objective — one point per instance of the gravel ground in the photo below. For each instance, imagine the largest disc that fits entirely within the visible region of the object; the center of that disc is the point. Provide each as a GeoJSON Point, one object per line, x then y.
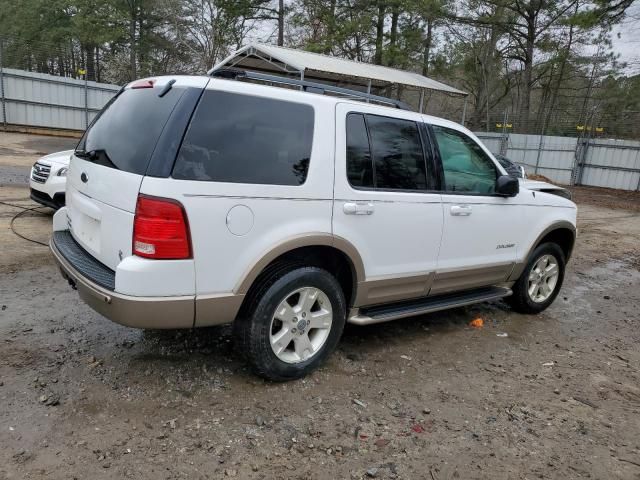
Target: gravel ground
{"type": "Point", "coordinates": [431, 398]}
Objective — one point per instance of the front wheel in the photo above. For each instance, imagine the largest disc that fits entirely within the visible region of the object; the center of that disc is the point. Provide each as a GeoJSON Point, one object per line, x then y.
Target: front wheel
{"type": "Point", "coordinates": [292, 323]}
{"type": "Point", "coordinates": [540, 282]}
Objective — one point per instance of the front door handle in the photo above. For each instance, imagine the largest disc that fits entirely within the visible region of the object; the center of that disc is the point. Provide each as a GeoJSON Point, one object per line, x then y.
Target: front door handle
{"type": "Point", "coordinates": [358, 208]}
{"type": "Point", "coordinates": [461, 210]}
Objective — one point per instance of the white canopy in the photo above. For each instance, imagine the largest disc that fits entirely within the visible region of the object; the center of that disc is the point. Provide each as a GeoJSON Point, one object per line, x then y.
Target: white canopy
{"type": "Point", "coordinates": [314, 66]}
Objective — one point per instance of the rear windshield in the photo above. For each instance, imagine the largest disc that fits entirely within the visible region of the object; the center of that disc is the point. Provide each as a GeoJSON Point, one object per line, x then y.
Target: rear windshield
{"type": "Point", "coordinates": [245, 139]}
{"type": "Point", "coordinates": [125, 132]}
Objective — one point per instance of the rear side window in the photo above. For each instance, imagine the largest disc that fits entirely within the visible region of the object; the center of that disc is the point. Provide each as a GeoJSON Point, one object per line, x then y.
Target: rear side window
{"type": "Point", "coordinates": [244, 139]}
{"type": "Point", "coordinates": [384, 153]}
{"type": "Point", "coordinates": [397, 154]}
{"type": "Point", "coordinates": [466, 167]}
{"type": "Point", "coordinates": [125, 132]}
{"type": "Point", "coordinates": [359, 165]}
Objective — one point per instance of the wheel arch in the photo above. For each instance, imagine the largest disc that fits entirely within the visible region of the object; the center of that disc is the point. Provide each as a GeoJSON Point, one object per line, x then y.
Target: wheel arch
{"type": "Point", "coordinates": [562, 233]}
{"type": "Point", "coordinates": [331, 252]}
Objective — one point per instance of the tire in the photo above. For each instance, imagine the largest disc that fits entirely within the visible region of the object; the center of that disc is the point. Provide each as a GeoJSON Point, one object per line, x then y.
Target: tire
{"type": "Point", "coordinates": [523, 300]}
{"type": "Point", "coordinates": [265, 319]}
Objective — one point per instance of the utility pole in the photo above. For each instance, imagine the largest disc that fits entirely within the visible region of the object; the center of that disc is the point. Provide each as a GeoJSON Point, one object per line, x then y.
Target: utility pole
{"type": "Point", "coordinates": [4, 110]}
{"type": "Point", "coordinates": [281, 23]}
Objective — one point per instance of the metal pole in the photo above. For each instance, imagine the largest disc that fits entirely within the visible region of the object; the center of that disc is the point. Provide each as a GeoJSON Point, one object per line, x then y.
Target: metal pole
{"type": "Point", "coordinates": [540, 144]}
{"type": "Point", "coordinates": [583, 158]}
{"type": "Point", "coordinates": [302, 79]}
{"type": "Point", "coordinates": [582, 161]}
{"type": "Point", "coordinates": [464, 110]}
{"type": "Point", "coordinates": [505, 138]}
{"type": "Point", "coordinates": [86, 100]}
{"type": "Point", "coordinates": [4, 111]}
{"type": "Point", "coordinates": [421, 100]}
{"type": "Point", "coordinates": [368, 89]}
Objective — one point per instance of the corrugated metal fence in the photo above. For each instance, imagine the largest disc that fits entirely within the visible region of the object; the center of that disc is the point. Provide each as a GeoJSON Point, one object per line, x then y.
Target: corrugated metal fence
{"type": "Point", "coordinates": [572, 161]}
{"type": "Point", "coordinates": [40, 100]}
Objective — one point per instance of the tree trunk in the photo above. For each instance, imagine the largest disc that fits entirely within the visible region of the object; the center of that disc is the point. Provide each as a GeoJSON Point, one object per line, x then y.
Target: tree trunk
{"type": "Point", "coordinates": [525, 107]}
{"type": "Point", "coordinates": [74, 68]}
{"type": "Point", "coordinates": [281, 23]}
{"type": "Point", "coordinates": [563, 65]}
{"type": "Point", "coordinates": [393, 35]}
{"type": "Point", "coordinates": [90, 64]}
{"type": "Point", "coordinates": [61, 69]}
{"type": "Point", "coordinates": [426, 56]}
{"type": "Point", "coordinates": [132, 40]}
{"type": "Point", "coordinates": [379, 33]}
{"type": "Point", "coordinates": [331, 27]}
{"type": "Point", "coordinates": [97, 64]}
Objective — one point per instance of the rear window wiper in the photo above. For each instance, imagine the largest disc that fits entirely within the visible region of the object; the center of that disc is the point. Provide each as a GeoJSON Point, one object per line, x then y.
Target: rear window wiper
{"type": "Point", "coordinates": [98, 156]}
{"type": "Point", "coordinates": [166, 88]}
{"type": "Point", "coordinates": [90, 155]}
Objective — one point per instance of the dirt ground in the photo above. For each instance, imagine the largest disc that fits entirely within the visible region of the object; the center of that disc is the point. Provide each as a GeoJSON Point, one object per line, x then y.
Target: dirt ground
{"type": "Point", "coordinates": [422, 398]}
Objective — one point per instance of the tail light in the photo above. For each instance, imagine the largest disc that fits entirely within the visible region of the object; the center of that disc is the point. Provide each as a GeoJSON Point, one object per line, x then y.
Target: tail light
{"type": "Point", "coordinates": [160, 229]}
{"type": "Point", "coordinates": [144, 84]}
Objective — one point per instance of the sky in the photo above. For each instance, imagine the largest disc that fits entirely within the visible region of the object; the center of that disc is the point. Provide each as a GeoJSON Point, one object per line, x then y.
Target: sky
{"type": "Point", "coordinates": [626, 40]}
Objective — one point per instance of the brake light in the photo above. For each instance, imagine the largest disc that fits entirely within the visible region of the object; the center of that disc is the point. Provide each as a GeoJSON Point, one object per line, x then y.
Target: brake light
{"type": "Point", "coordinates": [160, 229]}
{"type": "Point", "coordinates": [144, 84]}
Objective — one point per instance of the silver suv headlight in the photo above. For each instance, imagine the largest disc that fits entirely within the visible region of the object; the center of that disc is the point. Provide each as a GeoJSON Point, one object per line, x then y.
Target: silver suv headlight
{"type": "Point", "coordinates": [62, 172]}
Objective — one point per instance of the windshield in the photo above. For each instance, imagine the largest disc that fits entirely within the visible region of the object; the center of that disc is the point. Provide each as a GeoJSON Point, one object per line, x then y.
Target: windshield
{"type": "Point", "coordinates": [504, 162]}
{"type": "Point", "coordinates": [125, 132]}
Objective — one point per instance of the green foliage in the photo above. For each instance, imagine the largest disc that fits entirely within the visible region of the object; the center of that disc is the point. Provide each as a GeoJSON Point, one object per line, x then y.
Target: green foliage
{"type": "Point", "coordinates": [533, 59]}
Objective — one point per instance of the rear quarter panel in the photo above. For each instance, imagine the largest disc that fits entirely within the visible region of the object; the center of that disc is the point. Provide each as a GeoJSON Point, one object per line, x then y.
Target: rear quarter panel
{"type": "Point", "coordinates": [278, 212]}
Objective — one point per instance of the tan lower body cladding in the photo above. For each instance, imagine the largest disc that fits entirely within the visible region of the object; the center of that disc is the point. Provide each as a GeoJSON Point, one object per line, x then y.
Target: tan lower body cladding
{"type": "Point", "coordinates": [393, 289]}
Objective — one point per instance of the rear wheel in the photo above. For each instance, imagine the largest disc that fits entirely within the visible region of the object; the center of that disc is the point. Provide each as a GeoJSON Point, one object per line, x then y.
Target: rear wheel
{"type": "Point", "coordinates": [292, 322]}
{"type": "Point", "coordinates": [540, 281]}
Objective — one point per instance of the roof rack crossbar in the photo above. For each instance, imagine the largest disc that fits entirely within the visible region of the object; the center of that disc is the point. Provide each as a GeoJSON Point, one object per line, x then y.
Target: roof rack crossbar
{"type": "Point", "coordinates": [311, 87]}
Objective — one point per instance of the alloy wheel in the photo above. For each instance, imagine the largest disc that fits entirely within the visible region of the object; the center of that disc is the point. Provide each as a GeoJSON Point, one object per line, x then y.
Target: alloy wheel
{"type": "Point", "coordinates": [543, 278]}
{"type": "Point", "coordinates": [301, 325]}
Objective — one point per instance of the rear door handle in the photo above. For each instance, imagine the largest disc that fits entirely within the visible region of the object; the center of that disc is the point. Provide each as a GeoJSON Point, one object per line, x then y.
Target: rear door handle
{"type": "Point", "coordinates": [358, 208]}
{"type": "Point", "coordinates": [461, 210]}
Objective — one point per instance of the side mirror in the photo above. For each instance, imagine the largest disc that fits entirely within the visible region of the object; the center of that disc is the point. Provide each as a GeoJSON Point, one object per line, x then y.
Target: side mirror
{"type": "Point", "coordinates": [507, 186]}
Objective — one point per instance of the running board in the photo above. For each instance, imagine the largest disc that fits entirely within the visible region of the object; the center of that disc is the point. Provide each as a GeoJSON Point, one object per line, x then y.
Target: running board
{"type": "Point", "coordinates": [385, 313]}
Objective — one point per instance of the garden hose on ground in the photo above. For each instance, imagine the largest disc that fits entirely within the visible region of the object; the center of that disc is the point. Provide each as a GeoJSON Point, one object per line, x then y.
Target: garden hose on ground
{"type": "Point", "coordinates": [17, 215]}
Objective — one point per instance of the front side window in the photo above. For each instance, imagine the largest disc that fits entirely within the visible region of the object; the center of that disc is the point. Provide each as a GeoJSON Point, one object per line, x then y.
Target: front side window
{"type": "Point", "coordinates": [467, 168]}
{"type": "Point", "coordinates": [245, 139]}
{"type": "Point", "coordinates": [384, 153]}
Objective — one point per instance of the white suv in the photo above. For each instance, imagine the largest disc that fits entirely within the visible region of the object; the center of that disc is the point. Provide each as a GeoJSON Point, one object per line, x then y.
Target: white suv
{"type": "Point", "coordinates": [48, 179]}
{"type": "Point", "coordinates": [197, 201]}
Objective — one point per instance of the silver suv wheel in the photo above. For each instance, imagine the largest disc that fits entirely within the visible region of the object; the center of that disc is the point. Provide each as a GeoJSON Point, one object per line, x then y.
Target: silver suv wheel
{"type": "Point", "coordinates": [543, 278]}
{"type": "Point", "coordinates": [301, 325]}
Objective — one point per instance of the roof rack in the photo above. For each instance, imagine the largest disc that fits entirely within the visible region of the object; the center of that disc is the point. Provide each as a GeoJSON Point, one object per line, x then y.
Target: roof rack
{"type": "Point", "coordinates": [311, 87]}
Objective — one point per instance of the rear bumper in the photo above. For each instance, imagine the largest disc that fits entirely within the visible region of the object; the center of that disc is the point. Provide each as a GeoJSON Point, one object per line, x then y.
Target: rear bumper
{"type": "Point", "coordinates": [137, 312]}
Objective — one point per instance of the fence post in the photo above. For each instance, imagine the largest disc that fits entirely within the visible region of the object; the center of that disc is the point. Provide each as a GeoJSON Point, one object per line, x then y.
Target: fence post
{"type": "Point", "coordinates": [464, 110]}
{"type": "Point", "coordinates": [4, 109]}
{"type": "Point", "coordinates": [86, 100]}
{"type": "Point", "coordinates": [504, 141]}
{"type": "Point", "coordinates": [581, 159]}
{"type": "Point", "coordinates": [541, 144]}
